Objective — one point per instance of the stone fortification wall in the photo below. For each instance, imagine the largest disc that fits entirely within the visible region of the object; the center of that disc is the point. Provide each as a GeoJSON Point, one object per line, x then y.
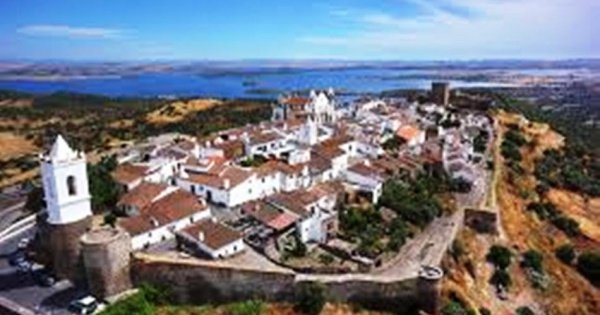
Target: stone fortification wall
{"type": "Point", "coordinates": [201, 283]}
{"type": "Point", "coordinates": [61, 248]}
{"type": "Point", "coordinates": [106, 258]}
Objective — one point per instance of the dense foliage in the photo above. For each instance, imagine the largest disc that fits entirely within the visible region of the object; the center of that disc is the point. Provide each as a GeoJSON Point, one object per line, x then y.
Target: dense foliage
{"type": "Point", "coordinates": [455, 308]}
{"type": "Point", "coordinates": [588, 264]}
{"type": "Point", "coordinates": [414, 200]}
{"type": "Point", "coordinates": [547, 211]}
{"type": "Point", "coordinates": [572, 169]}
{"type": "Point", "coordinates": [566, 253]}
{"type": "Point", "coordinates": [524, 310]}
{"type": "Point", "coordinates": [500, 257]}
{"type": "Point", "coordinates": [311, 299]}
{"type": "Point", "coordinates": [104, 191]}
{"type": "Point", "coordinates": [533, 259]}
{"type": "Point", "coordinates": [480, 141]}
{"type": "Point", "coordinates": [143, 302]}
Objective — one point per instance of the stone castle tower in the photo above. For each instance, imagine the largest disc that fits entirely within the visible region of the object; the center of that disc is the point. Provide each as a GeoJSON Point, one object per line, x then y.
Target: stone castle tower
{"type": "Point", "coordinates": [68, 210]}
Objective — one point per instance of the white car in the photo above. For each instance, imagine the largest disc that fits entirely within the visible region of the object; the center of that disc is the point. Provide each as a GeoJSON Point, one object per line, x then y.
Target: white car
{"type": "Point", "coordinates": [84, 306]}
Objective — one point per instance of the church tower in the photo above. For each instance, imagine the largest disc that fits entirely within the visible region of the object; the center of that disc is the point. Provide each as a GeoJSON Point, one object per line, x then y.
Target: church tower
{"type": "Point", "coordinates": [309, 132]}
{"type": "Point", "coordinates": [68, 212]}
{"type": "Point", "coordinates": [64, 177]}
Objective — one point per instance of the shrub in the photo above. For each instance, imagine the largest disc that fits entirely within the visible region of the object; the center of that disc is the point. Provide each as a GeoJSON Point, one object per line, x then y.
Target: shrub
{"type": "Point", "coordinates": [454, 308]}
{"type": "Point", "coordinates": [567, 225]}
{"type": "Point", "coordinates": [588, 264]}
{"type": "Point", "coordinates": [500, 256]}
{"type": "Point", "coordinates": [565, 253]}
{"type": "Point", "coordinates": [326, 259]}
{"type": "Point", "coordinates": [524, 310]}
{"type": "Point", "coordinates": [253, 307]}
{"type": "Point", "coordinates": [501, 278]}
{"type": "Point", "coordinates": [311, 299]}
{"type": "Point", "coordinates": [484, 311]}
{"type": "Point", "coordinates": [110, 219]}
{"type": "Point", "coordinates": [457, 249]}
{"type": "Point", "coordinates": [533, 259]}
{"type": "Point", "coordinates": [134, 304]}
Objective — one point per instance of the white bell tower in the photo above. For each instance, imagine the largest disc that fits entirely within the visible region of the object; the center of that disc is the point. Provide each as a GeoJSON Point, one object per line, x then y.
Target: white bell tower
{"type": "Point", "coordinates": [309, 132]}
{"type": "Point", "coordinates": [65, 181]}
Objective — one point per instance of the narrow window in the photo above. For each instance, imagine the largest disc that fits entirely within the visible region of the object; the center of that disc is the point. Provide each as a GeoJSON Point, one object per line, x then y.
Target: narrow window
{"type": "Point", "coordinates": [72, 189]}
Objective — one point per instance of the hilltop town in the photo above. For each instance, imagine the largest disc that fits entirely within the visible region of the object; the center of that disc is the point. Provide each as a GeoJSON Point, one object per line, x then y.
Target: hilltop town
{"type": "Point", "coordinates": [370, 202]}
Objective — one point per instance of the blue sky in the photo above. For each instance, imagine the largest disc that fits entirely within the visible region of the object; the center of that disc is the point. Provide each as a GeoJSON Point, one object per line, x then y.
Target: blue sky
{"type": "Point", "coordinates": [298, 29]}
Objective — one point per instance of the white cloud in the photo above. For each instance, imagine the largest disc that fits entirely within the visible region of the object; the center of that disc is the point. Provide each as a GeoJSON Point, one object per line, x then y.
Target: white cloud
{"type": "Point", "coordinates": [491, 29]}
{"type": "Point", "coordinates": [71, 31]}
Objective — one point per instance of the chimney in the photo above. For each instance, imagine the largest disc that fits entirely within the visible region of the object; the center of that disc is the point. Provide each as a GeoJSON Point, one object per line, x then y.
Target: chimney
{"type": "Point", "coordinates": [201, 236]}
{"type": "Point", "coordinates": [367, 162]}
{"type": "Point", "coordinates": [226, 183]}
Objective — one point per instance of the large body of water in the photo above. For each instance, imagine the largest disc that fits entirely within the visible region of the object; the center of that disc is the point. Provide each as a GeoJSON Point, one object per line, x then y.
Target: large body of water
{"type": "Point", "coordinates": [239, 85]}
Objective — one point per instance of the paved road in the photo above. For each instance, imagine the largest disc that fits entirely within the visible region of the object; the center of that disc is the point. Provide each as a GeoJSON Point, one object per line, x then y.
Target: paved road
{"type": "Point", "coordinates": [22, 289]}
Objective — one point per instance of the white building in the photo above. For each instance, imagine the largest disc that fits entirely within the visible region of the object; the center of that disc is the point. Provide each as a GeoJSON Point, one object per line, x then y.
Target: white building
{"type": "Point", "coordinates": [212, 238]}
{"type": "Point", "coordinates": [315, 207]}
{"type": "Point", "coordinates": [160, 218]}
{"type": "Point", "coordinates": [321, 105]}
{"type": "Point", "coordinates": [65, 181]}
{"type": "Point", "coordinates": [365, 178]}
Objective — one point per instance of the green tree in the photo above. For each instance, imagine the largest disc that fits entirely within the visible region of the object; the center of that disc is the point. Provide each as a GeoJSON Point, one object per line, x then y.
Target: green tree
{"type": "Point", "coordinates": [524, 310]}
{"type": "Point", "coordinates": [311, 299]}
{"type": "Point", "coordinates": [565, 253]}
{"type": "Point", "coordinates": [588, 264]}
{"type": "Point", "coordinates": [454, 308]}
{"type": "Point", "coordinates": [104, 191]}
{"type": "Point", "coordinates": [501, 277]}
{"type": "Point", "coordinates": [484, 311]}
{"type": "Point", "coordinates": [533, 259]}
{"type": "Point", "coordinates": [35, 200]}
{"type": "Point", "coordinates": [253, 307]}
{"type": "Point", "coordinates": [500, 256]}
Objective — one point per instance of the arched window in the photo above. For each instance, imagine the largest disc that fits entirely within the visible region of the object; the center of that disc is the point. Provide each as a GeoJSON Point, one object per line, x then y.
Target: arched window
{"type": "Point", "coordinates": [71, 187]}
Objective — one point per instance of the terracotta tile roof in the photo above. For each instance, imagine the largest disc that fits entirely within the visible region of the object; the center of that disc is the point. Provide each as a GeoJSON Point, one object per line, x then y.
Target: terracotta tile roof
{"type": "Point", "coordinates": [142, 195]}
{"type": "Point", "coordinates": [364, 170]}
{"type": "Point", "coordinates": [318, 164]}
{"type": "Point", "coordinates": [269, 215]}
{"type": "Point", "coordinates": [328, 152]}
{"type": "Point", "coordinates": [337, 140]}
{"type": "Point", "coordinates": [264, 137]}
{"type": "Point", "coordinates": [168, 209]}
{"type": "Point", "coordinates": [408, 132]}
{"type": "Point", "coordinates": [278, 166]}
{"type": "Point", "coordinates": [296, 101]}
{"type": "Point", "coordinates": [297, 201]}
{"type": "Point", "coordinates": [232, 148]}
{"type": "Point", "coordinates": [215, 235]}
{"type": "Point", "coordinates": [127, 173]}
{"type": "Point", "coordinates": [235, 175]}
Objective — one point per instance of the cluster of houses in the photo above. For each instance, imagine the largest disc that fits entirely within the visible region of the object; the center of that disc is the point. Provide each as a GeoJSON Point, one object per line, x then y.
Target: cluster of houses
{"type": "Point", "coordinates": [287, 175]}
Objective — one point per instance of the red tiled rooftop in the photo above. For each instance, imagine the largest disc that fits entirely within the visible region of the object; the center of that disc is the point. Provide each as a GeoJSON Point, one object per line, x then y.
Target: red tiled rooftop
{"type": "Point", "coordinates": [214, 235]}
{"type": "Point", "coordinates": [127, 173]}
{"type": "Point", "coordinates": [173, 207]}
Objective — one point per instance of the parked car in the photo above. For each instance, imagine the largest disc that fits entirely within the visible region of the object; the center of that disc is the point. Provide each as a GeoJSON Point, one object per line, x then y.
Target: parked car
{"type": "Point", "coordinates": [43, 277]}
{"type": "Point", "coordinates": [84, 306]}
{"type": "Point", "coordinates": [23, 243]}
{"type": "Point", "coordinates": [23, 266]}
{"type": "Point", "coordinates": [16, 258]}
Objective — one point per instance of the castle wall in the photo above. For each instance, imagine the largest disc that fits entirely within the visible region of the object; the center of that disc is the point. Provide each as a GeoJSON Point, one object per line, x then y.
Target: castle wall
{"type": "Point", "coordinates": [106, 258]}
{"type": "Point", "coordinates": [61, 247]}
{"type": "Point", "coordinates": [199, 283]}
